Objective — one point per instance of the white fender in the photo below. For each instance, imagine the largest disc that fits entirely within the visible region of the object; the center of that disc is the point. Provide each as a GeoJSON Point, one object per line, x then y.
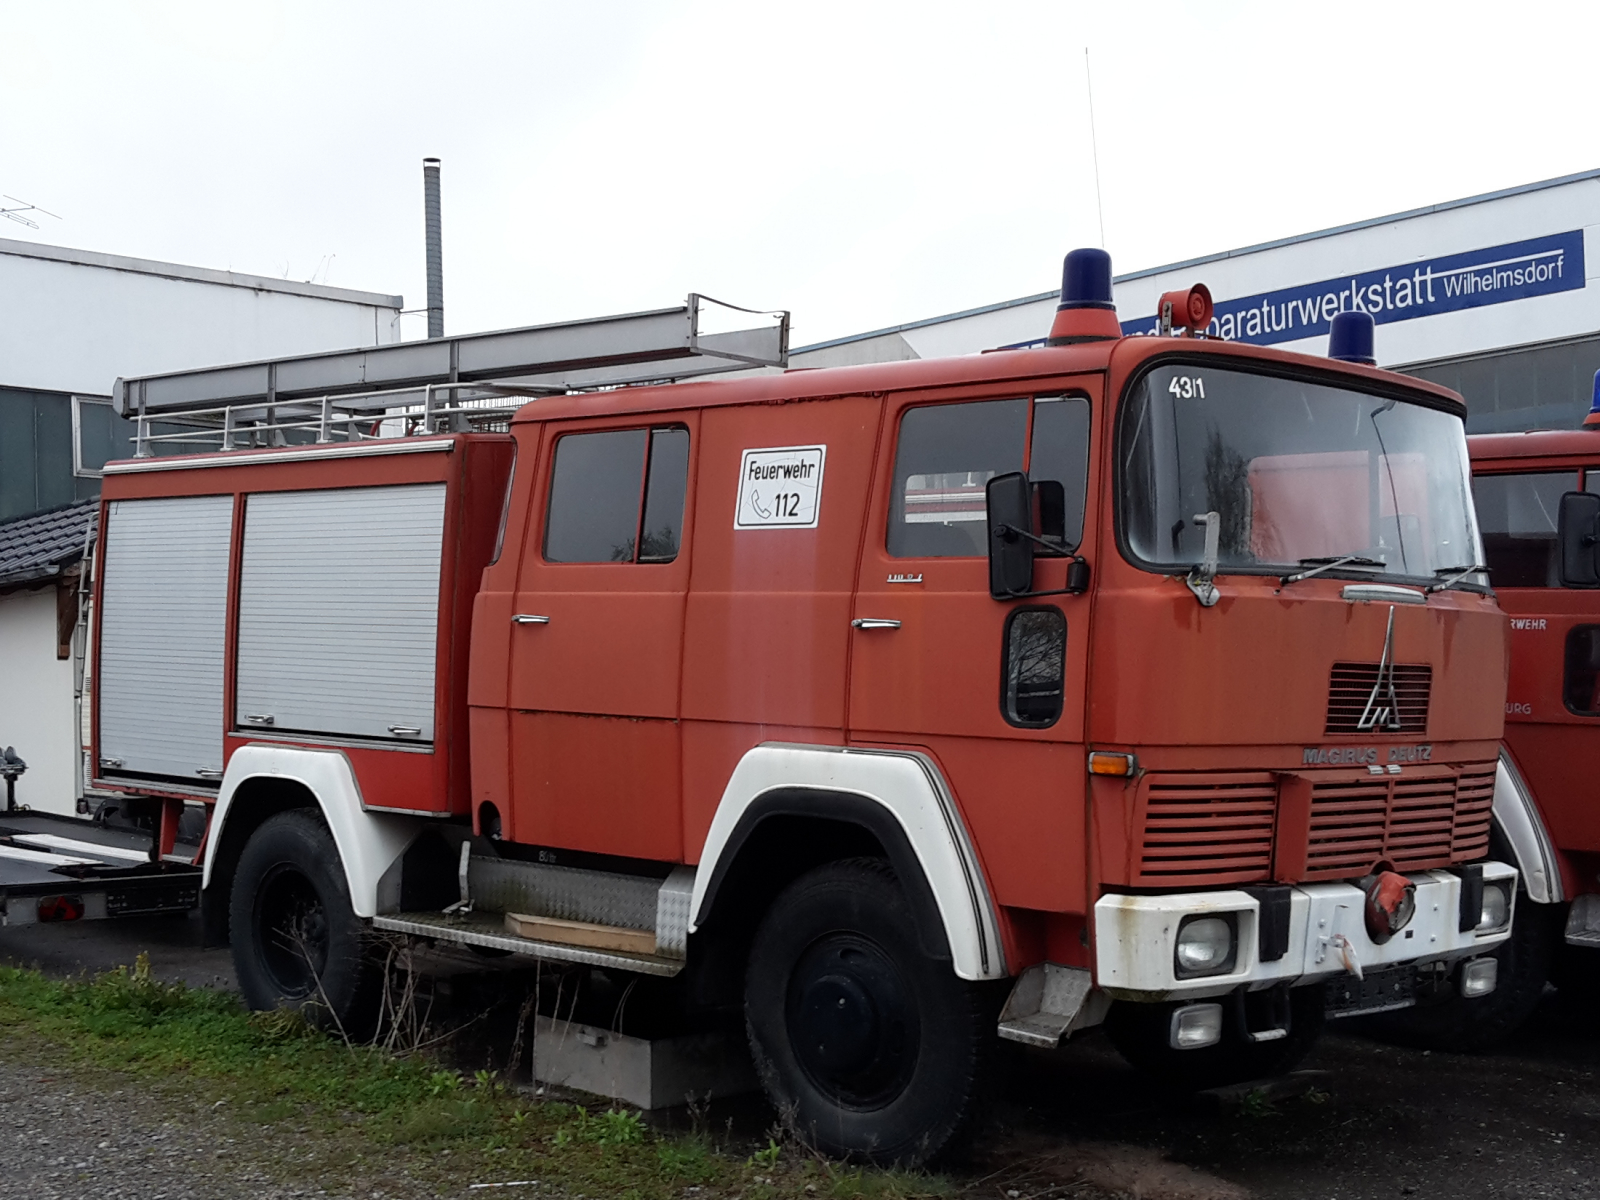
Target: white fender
{"type": "Point", "coordinates": [909, 786]}
{"type": "Point", "coordinates": [368, 843]}
{"type": "Point", "coordinates": [1517, 814]}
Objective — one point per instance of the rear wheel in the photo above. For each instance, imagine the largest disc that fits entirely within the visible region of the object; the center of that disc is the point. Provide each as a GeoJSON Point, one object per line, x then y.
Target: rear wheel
{"type": "Point", "coordinates": [868, 1048]}
{"type": "Point", "coordinates": [1141, 1034]}
{"type": "Point", "coordinates": [297, 942]}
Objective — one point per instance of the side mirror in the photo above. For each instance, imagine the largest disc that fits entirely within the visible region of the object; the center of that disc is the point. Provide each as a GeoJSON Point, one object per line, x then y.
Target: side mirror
{"type": "Point", "coordinates": [1578, 536]}
{"type": "Point", "coordinates": [1010, 514]}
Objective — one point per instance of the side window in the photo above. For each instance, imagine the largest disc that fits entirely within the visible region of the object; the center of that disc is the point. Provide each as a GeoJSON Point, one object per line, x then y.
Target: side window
{"type": "Point", "coordinates": [1033, 667]}
{"type": "Point", "coordinates": [1591, 480]}
{"type": "Point", "coordinates": [948, 452]}
{"type": "Point", "coordinates": [666, 483]}
{"type": "Point", "coordinates": [1060, 452]}
{"type": "Point", "coordinates": [1517, 516]}
{"type": "Point", "coordinates": [617, 496]}
{"type": "Point", "coordinates": [1582, 684]}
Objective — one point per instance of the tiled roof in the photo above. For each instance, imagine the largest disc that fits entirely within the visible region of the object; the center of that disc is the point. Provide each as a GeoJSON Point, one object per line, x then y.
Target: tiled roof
{"type": "Point", "coordinates": [39, 545]}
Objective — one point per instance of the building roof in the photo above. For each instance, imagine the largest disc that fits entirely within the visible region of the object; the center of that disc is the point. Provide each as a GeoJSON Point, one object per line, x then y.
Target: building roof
{"type": "Point", "coordinates": [39, 545]}
{"type": "Point", "coordinates": [145, 266]}
{"type": "Point", "coordinates": [1390, 219]}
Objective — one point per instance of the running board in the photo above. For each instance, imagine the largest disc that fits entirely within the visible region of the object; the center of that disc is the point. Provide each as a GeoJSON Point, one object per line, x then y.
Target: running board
{"type": "Point", "coordinates": [488, 929]}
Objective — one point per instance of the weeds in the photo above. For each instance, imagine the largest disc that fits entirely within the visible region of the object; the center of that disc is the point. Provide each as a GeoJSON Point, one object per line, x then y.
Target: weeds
{"type": "Point", "coordinates": [364, 1103]}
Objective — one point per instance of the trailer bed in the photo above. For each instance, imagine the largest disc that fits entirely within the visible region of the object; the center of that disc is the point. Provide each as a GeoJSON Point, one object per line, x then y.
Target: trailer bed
{"type": "Point", "coordinates": [57, 871]}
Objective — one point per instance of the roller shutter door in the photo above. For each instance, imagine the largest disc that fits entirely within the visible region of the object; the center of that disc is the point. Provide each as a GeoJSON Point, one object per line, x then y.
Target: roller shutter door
{"type": "Point", "coordinates": [339, 611]}
{"type": "Point", "coordinates": [163, 627]}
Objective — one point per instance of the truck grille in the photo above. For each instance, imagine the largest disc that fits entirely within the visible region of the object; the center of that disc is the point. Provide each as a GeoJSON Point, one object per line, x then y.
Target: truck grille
{"type": "Point", "coordinates": [1350, 689]}
{"type": "Point", "coordinates": [1414, 823]}
{"type": "Point", "coordinates": [1208, 830]}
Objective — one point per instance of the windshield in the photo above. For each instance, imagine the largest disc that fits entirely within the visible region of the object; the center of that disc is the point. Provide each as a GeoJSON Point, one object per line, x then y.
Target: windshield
{"type": "Point", "coordinates": [1300, 474]}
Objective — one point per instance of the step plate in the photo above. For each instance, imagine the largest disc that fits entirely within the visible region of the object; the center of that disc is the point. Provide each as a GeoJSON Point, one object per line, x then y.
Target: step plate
{"type": "Point", "coordinates": [488, 929]}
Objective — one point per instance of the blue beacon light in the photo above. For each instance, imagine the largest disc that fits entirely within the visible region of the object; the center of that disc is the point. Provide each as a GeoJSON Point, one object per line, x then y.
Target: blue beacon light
{"type": "Point", "coordinates": [1592, 421]}
{"type": "Point", "coordinates": [1350, 338]}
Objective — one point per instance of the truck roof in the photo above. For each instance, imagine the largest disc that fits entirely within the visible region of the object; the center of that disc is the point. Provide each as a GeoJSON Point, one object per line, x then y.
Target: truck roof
{"type": "Point", "coordinates": [995, 366]}
{"type": "Point", "coordinates": [1555, 446]}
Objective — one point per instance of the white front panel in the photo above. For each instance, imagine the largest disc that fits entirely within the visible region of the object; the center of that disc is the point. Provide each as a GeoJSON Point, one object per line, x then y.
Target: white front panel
{"type": "Point", "coordinates": [162, 634]}
{"type": "Point", "coordinates": [338, 611]}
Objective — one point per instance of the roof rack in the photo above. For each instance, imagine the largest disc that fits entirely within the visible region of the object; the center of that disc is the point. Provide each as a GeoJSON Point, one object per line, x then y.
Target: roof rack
{"type": "Point", "coordinates": [451, 384]}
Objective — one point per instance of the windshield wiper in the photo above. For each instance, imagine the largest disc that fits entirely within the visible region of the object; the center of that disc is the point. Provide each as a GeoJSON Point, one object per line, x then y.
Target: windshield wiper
{"type": "Point", "coordinates": [1457, 574]}
{"type": "Point", "coordinates": [1328, 563]}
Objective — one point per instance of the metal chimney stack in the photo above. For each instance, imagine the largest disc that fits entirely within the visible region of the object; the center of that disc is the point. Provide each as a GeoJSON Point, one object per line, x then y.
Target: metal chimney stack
{"type": "Point", "coordinates": [430, 192]}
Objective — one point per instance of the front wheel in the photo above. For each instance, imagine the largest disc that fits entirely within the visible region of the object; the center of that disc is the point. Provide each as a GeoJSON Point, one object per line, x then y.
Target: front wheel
{"type": "Point", "coordinates": [297, 942]}
{"type": "Point", "coordinates": [868, 1048]}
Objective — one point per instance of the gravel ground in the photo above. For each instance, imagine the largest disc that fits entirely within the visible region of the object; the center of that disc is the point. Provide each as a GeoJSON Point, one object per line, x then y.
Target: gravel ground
{"type": "Point", "coordinates": [66, 1138]}
{"type": "Point", "coordinates": [1373, 1123]}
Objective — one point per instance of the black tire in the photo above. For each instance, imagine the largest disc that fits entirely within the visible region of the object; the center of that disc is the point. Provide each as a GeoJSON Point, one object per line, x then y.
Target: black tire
{"type": "Point", "coordinates": [297, 942]}
{"type": "Point", "coordinates": [1483, 1022]}
{"type": "Point", "coordinates": [1141, 1032]}
{"type": "Point", "coordinates": [868, 1048]}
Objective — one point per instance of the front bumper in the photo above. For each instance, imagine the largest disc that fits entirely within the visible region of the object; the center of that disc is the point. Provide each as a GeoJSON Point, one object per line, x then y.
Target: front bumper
{"type": "Point", "coordinates": [1136, 936]}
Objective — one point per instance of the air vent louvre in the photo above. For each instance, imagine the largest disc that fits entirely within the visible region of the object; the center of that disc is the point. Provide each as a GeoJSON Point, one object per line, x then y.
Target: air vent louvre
{"type": "Point", "coordinates": [1208, 831]}
{"type": "Point", "coordinates": [1350, 690]}
{"type": "Point", "coordinates": [1414, 823]}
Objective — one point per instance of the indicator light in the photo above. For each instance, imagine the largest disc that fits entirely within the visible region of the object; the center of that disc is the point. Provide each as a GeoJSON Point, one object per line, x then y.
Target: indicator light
{"type": "Point", "coordinates": [1104, 762]}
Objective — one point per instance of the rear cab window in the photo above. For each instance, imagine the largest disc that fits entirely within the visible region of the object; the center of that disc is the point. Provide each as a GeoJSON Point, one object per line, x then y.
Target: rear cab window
{"type": "Point", "coordinates": [617, 496]}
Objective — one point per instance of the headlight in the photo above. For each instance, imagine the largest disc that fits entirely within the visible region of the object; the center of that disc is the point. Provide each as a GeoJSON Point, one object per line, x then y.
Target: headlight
{"type": "Point", "coordinates": [1496, 908]}
{"type": "Point", "coordinates": [1205, 946]}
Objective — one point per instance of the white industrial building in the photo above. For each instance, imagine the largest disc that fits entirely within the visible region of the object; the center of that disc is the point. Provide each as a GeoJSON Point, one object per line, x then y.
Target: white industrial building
{"type": "Point", "coordinates": [1492, 296]}
{"type": "Point", "coordinates": [71, 322]}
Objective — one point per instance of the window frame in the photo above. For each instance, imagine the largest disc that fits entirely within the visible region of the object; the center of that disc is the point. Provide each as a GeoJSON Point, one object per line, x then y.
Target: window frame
{"type": "Point", "coordinates": [649, 429]}
{"type": "Point", "coordinates": [1522, 472]}
{"type": "Point", "coordinates": [1033, 397]}
{"type": "Point", "coordinates": [1593, 630]}
{"type": "Point", "coordinates": [1309, 375]}
{"type": "Point", "coordinates": [1005, 665]}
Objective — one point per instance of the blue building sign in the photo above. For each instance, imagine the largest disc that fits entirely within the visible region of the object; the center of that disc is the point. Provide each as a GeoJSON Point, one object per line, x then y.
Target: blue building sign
{"type": "Point", "coordinates": [1494, 275]}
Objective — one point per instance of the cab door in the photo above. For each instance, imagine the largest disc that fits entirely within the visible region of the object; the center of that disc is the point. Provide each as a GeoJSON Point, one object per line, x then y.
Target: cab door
{"type": "Point", "coordinates": [596, 640]}
{"type": "Point", "coordinates": [1553, 694]}
{"type": "Point", "coordinates": [993, 690]}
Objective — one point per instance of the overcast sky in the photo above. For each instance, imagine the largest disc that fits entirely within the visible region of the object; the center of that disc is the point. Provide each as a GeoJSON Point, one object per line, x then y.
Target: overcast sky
{"type": "Point", "coordinates": [861, 164]}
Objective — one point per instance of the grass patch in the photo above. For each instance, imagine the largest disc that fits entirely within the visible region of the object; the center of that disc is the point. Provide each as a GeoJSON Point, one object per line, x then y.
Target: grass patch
{"type": "Point", "coordinates": [439, 1128]}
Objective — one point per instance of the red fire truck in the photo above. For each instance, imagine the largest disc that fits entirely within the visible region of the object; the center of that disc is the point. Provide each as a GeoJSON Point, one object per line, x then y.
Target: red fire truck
{"type": "Point", "coordinates": [1150, 682]}
{"type": "Point", "coordinates": [1538, 499]}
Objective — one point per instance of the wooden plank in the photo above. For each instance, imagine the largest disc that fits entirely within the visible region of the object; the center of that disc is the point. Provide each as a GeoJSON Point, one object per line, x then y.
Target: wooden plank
{"type": "Point", "coordinates": [581, 933]}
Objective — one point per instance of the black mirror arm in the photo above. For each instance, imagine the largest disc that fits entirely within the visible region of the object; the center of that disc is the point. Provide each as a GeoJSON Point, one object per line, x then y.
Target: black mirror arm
{"type": "Point", "coordinates": [1050, 548]}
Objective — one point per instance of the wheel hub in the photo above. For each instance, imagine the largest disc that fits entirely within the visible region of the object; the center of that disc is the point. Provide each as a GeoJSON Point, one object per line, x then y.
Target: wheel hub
{"type": "Point", "coordinates": [852, 1021]}
{"type": "Point", "coordinates": [292, 931]}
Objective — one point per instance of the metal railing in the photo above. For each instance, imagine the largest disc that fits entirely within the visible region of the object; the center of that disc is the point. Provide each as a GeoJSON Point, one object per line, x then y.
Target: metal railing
{"type": "Point", "coordinates": [364, 416]}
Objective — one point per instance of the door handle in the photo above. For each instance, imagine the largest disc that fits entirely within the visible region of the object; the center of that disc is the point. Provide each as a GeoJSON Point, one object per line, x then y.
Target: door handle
{"type": "Point", "coordinates": [875, 623]}
{"type": "Point", "coordinates": [529, 619]}
{"type": "Point", "coordinates": [404, 730]}
{"type": "Point", "coordinates": [261, 718]}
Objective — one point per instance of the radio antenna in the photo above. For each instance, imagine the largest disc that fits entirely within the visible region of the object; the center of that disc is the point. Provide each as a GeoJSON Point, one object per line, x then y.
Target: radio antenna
{"type": "Point", "coordinates": [15, 214]}
{"type": "Point", "coordinates": [1094, 148]}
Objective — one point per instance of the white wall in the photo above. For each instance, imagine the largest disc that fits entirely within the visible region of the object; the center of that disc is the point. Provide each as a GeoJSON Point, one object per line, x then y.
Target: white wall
{"type": "Point", "coordinates": [73, 321]}
{"type": "Point", "coordinates": [36, 707]}
{"type": "Point", "coordinates": [1393, 242]}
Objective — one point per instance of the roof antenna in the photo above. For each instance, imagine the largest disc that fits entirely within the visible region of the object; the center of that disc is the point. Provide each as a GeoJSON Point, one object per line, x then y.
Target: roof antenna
{"type": "Point", "coordinates": [1094, 148]}
{"type": "Point", "coordinates": [15, 214]}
